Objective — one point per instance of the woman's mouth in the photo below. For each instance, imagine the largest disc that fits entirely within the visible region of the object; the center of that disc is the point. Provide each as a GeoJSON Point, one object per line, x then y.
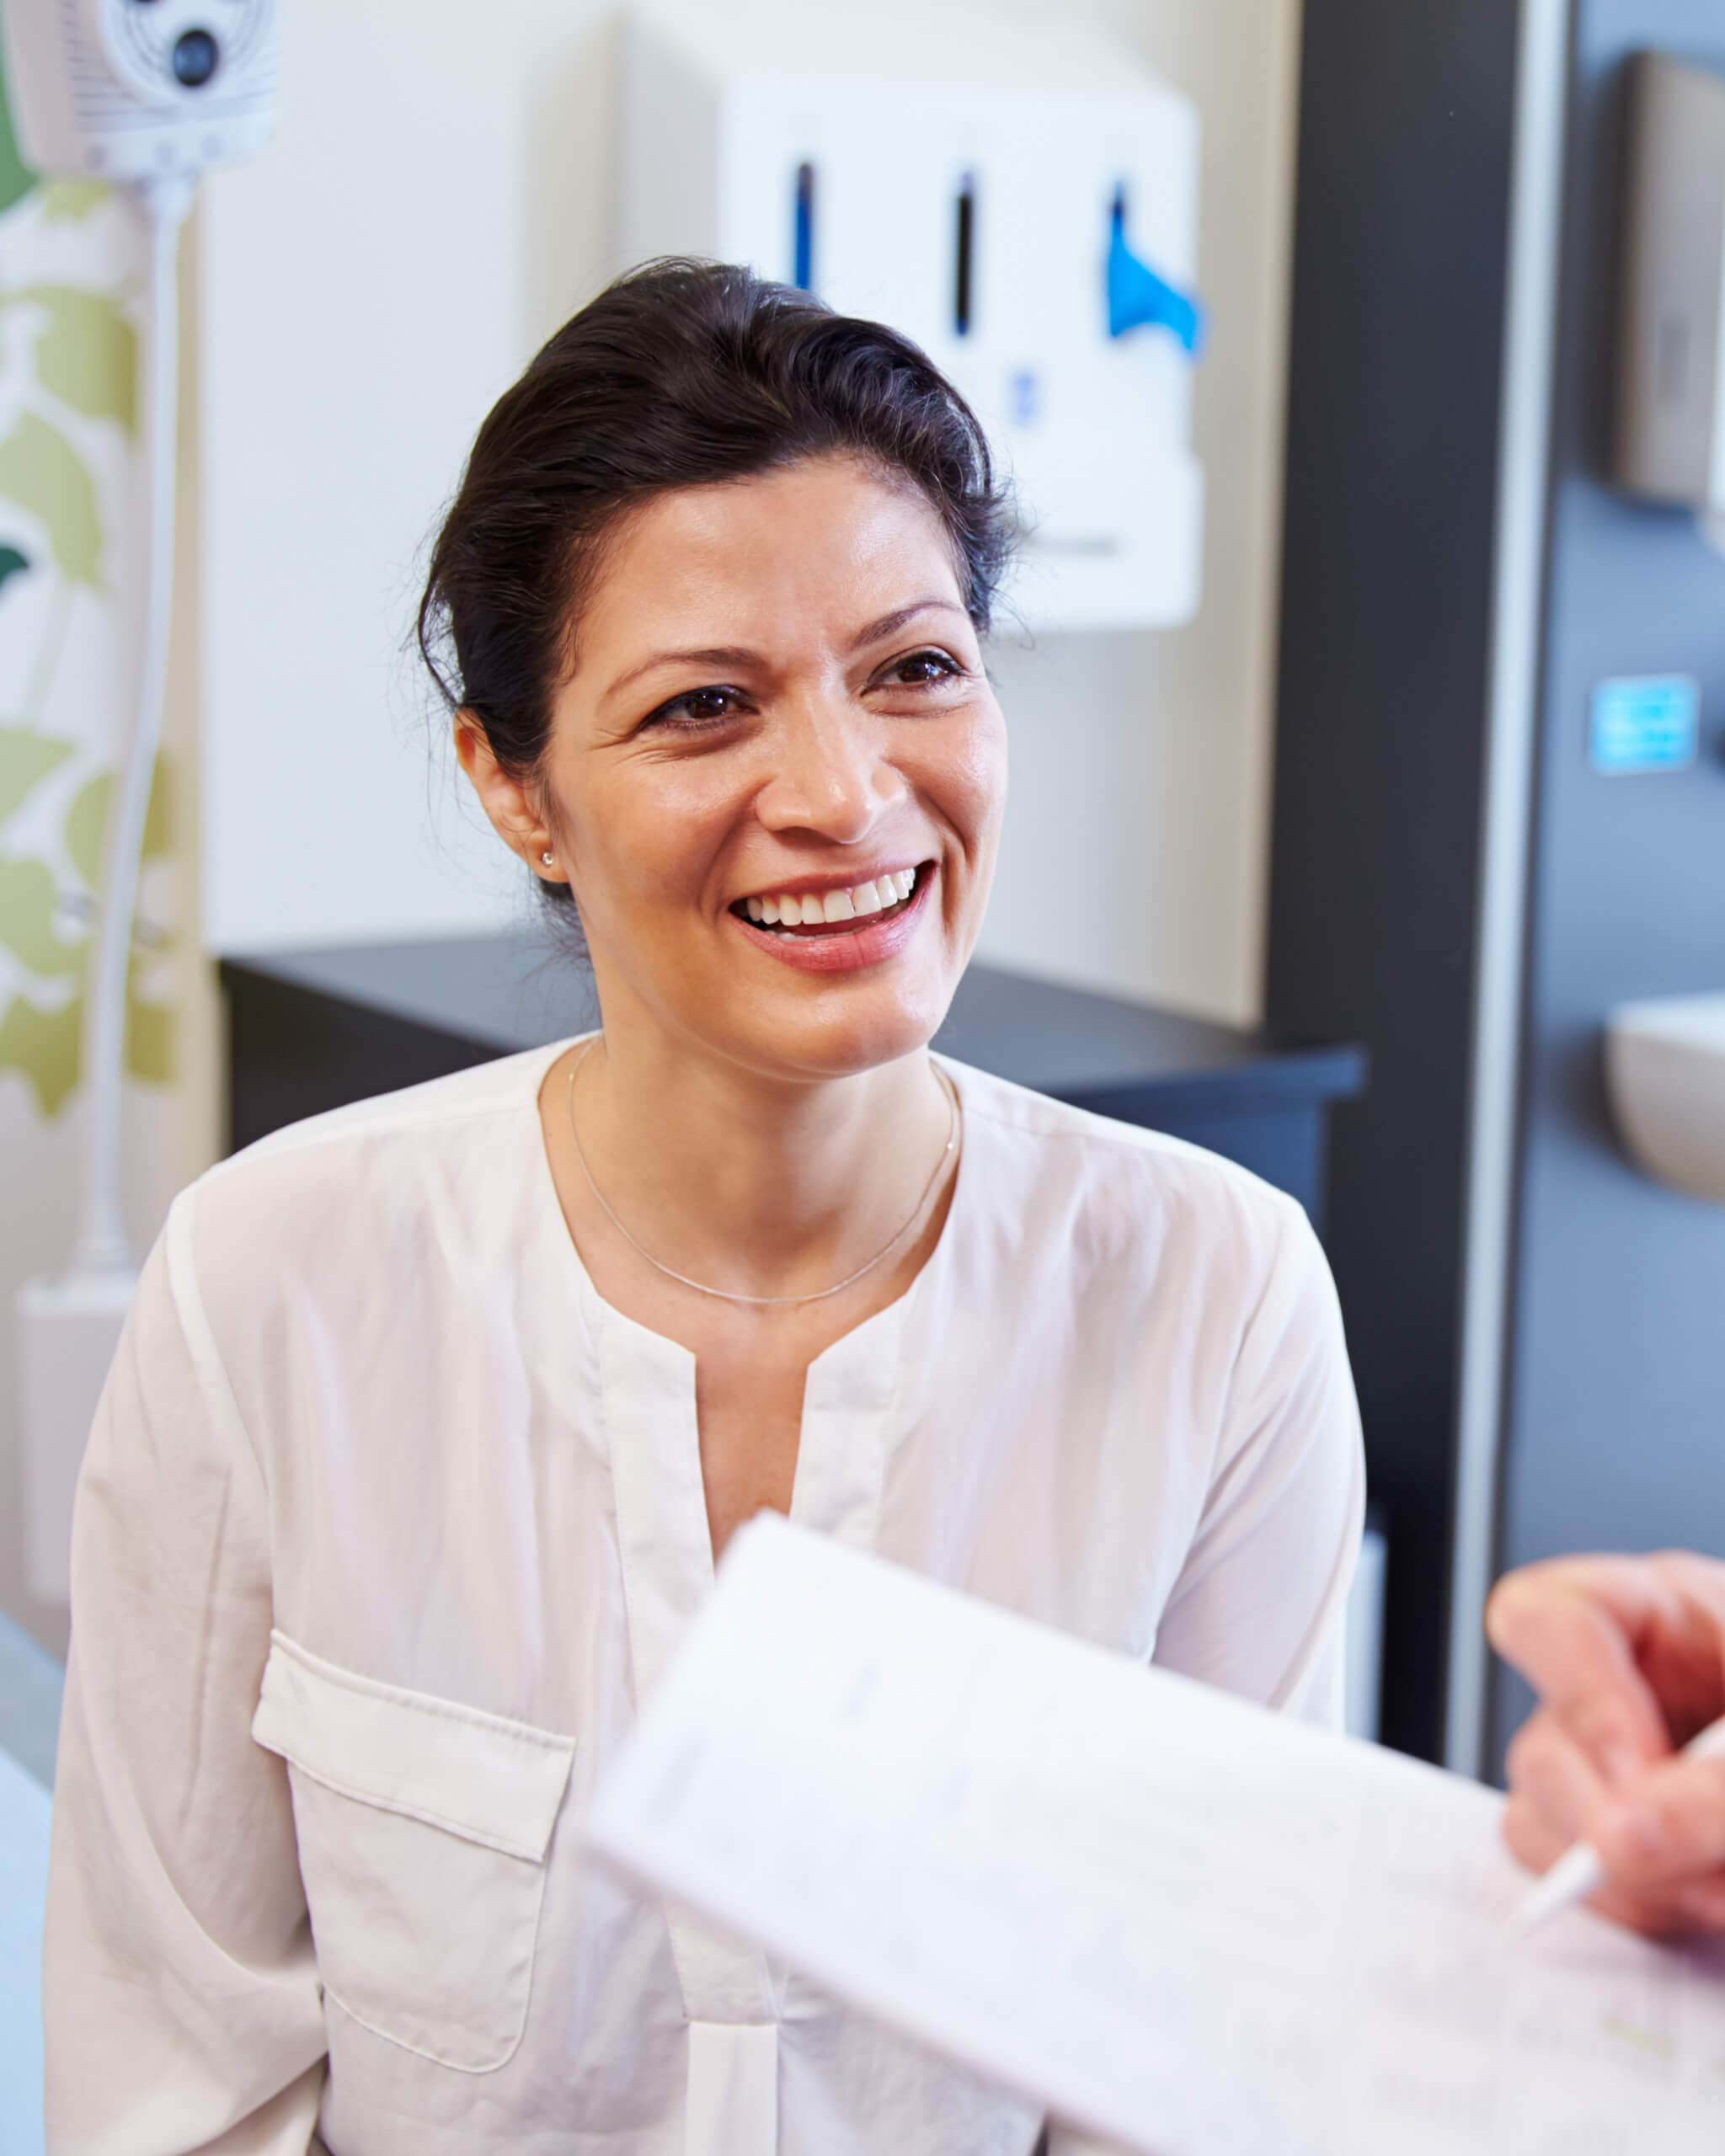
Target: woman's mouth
{"type": "Point", "coordinates": [827, 913]}
{"type": "Point", "coordinates": [839, 931]}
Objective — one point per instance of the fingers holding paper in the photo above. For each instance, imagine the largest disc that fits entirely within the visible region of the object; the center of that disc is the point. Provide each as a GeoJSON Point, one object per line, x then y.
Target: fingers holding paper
{"type": "Point", "coordinates": [1628, 1656]}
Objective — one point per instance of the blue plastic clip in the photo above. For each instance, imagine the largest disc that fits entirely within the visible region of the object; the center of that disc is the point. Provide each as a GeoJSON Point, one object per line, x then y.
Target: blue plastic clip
{"type": "Point", "coordinates": [1137, 297]}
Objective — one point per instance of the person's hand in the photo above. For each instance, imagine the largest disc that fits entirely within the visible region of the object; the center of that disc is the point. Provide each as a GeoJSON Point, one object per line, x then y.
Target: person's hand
{"type": "Point", "coordinates": [1628, 1657]}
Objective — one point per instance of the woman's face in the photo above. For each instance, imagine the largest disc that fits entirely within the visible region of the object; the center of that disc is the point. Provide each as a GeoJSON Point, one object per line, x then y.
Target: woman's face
{"type": "Point", "coordinates": [778, 707]}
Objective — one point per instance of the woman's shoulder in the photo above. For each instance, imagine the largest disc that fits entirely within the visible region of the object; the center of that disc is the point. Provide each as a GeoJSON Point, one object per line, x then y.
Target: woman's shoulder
{"type": "Point", "coordinates": [1100, 1165]}
{"type": "Point", "coordinates": [388, 1147]}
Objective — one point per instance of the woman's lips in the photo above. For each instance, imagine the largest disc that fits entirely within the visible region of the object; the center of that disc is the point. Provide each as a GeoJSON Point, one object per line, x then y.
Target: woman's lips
{"type": "Point", "coordinates": [845, 946]}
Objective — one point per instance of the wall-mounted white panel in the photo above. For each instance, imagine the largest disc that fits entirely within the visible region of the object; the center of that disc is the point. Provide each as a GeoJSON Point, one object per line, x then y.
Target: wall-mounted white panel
{"type": "Point", "coordinates": [977, 218]}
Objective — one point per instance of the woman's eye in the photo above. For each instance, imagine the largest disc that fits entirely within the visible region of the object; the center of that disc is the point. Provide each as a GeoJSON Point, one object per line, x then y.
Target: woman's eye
{"type": "Point", "coordinates": [697, 707]}
{"type": "Point", "coordinates": [923, 666]}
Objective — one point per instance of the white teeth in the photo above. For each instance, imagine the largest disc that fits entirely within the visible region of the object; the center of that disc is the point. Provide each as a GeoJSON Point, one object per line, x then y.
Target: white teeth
{"type": "Point", "coordinates": [795, 910]}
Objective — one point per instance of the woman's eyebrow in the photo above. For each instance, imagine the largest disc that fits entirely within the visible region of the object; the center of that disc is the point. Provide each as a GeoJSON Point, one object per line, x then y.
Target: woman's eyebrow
{"type": "Point", "coordinates": [710, 655]}
{"type": "Point", "coordinates": [890, 624]}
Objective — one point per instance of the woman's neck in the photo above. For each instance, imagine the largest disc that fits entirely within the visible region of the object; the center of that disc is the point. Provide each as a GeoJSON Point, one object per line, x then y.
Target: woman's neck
{"type": "Point", "coordinates": [753, 1184]}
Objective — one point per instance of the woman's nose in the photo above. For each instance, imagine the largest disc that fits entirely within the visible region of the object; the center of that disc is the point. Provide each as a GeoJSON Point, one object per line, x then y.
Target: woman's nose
{"type": "Point", "coordinates": [830, 774]}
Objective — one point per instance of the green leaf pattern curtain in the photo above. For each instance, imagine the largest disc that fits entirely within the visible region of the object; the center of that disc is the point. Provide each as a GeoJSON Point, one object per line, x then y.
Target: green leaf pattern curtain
{"type": "Point", "coordinates": [70, 280]}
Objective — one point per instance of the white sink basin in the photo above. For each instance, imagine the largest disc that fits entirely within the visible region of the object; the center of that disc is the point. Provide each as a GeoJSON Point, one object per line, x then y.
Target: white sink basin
{"type": "Point", "coordinates": [1665, 1079]}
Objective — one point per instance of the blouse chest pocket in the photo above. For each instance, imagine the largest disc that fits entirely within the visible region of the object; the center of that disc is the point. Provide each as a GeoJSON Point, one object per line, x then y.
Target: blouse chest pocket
{"type": "Point", "coordinates": [423, 1829]}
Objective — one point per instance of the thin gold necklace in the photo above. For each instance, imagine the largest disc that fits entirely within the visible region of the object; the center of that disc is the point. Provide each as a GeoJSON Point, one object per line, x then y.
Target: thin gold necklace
{"type": "Point", "coordinates": [724, 1294]}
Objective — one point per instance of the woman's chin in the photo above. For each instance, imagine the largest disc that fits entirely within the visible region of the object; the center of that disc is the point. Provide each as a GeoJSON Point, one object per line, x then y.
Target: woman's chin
{"type": "Point", "coordinates": [850, 1028]}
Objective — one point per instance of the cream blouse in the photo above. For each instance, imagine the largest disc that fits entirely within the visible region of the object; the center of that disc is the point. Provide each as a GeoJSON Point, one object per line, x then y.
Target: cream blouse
{"type": "Point", "coordinates": [388, 1521]}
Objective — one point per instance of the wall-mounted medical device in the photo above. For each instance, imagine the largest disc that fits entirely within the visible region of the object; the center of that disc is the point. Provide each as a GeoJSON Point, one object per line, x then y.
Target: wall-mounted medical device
{"type": "Point", "coordinates": [1039, 243]}
{"type": "Point", "coordinates": [131, 89]}
{"type": "Point", "coordinates": [1670, 438]}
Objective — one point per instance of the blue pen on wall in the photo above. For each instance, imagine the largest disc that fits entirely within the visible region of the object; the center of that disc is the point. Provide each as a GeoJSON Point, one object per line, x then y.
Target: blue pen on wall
{"type": "Point", "coordinates": [1138, 298]}
{"type": "Point", "coordinates": [803, 231]}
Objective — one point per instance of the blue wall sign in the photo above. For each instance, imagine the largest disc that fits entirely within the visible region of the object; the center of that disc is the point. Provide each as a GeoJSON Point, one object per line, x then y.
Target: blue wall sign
{"type": "Point", "coordinates": [1649, 722]}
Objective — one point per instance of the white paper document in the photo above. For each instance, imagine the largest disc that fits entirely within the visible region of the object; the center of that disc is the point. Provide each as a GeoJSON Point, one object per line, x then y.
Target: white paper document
{"type": "Point", "coordinates": [1181, 1921]}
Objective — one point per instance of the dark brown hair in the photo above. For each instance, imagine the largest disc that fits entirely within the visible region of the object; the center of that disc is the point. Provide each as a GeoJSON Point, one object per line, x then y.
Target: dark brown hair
{"type": "Point", "coordinates": [680, 374]}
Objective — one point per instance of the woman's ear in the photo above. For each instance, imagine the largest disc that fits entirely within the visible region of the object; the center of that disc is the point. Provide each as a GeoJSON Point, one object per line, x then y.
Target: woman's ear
{"type": "Point", "coordinates": [506, 801]}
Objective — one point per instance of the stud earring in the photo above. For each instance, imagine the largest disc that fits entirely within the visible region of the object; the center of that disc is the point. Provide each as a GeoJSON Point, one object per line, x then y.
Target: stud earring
{"type": "Point", "coordinates": [549, 859]}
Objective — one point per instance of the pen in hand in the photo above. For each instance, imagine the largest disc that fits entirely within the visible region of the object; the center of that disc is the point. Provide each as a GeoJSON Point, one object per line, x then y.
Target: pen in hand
{"type": "Point", "coordinates": [1578, 1872]}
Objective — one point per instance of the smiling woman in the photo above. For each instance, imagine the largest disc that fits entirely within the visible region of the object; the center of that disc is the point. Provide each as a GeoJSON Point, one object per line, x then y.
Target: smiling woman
{"type": "Point", "coordinates": [434, 1414]}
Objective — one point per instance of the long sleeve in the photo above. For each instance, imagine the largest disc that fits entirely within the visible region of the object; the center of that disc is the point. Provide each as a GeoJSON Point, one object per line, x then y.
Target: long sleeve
{"type": "Point", "coordinates": [1281, 1529]}
{"type": "Point", "coordinates": [180, 1995]}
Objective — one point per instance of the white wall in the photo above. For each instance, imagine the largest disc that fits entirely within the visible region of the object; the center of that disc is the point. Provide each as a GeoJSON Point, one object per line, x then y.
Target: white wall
{"type": "Point", "coordinates": [438, 201]}
{"type": "Point", "coordinates": [434, 205]}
